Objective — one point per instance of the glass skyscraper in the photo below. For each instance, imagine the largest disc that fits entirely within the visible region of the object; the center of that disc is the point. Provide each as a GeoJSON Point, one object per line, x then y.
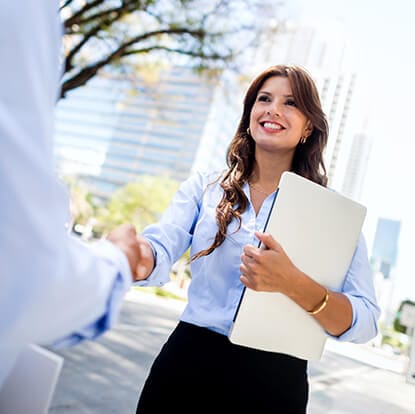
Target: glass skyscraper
{"type": "Point", "coordinates": [117, 128]}
{"type": "Point", "coordinates": [385, 245]}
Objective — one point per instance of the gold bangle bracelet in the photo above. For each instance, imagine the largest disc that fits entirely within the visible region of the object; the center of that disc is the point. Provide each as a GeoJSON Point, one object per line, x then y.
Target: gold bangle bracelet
{"type": "Point", "coordinates": [322, 306]}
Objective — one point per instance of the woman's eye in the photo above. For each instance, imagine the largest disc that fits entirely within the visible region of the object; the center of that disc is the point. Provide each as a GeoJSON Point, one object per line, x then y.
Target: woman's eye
{"type": "Point", "coordinates": [263, 98]}
{"type": "Point", "coordinates": [290, 102]}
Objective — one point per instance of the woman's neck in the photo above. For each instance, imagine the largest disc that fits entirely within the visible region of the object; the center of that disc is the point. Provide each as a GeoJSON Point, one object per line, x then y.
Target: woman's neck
{"type": "Point", "coordinates": [268, 170]}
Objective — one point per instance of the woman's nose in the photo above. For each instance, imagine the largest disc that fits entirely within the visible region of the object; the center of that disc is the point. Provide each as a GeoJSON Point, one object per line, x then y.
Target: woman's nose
{"type": "Point", "coordinates": [275, 109]}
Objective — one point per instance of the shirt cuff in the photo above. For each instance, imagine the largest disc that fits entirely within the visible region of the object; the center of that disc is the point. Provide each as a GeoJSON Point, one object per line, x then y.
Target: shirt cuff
{"type": "Point", "coordinates": [161, 272]}
{"type": "Point", "coordinates": [350, 334]}
{"type": "Point", "coordinates": [122, 282]}
{"type": "Point", "coordinates": [113, 253]}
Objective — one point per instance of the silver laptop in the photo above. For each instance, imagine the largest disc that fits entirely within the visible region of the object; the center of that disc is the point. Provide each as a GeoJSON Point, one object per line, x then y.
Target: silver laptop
{"type": "Point", "coordinates": [30, 386]}
{"type": "Point", "coordinates": [319, 230]}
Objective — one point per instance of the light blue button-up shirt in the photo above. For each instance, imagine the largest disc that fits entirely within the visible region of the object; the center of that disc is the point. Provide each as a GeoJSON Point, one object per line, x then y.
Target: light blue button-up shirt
{"type": "Point", "coordinates": [215, 289]}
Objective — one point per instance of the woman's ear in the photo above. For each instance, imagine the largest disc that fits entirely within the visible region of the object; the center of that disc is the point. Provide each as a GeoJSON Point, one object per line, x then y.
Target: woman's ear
{"type": "Point", "coordinates": [308, 129]}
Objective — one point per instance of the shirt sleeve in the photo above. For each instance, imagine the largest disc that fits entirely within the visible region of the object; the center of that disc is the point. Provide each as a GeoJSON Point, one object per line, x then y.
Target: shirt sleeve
{"type": "Point", "coordinates": [172, 235]}
{"type": "Point", "coordinates": [108, 253]}
{"type": "Point", "coordinates": [358, 287]}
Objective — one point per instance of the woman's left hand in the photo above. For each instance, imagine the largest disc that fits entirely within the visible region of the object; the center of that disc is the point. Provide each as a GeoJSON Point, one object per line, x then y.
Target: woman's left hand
{"type": "Point", "coordinates": [269, 269]}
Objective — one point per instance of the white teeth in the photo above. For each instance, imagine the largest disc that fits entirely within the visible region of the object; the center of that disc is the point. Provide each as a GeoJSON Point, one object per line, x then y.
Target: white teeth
{"type": "Point", "coordinates": [272, 126]}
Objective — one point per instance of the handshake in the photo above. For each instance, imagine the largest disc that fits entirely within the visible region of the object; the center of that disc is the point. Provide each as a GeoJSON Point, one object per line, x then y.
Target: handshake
{"type": "Point", "coordinates": [137, 249]}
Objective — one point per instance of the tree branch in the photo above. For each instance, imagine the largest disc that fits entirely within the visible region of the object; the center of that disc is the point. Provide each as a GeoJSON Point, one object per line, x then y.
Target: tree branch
{"type": "Point", "coordinates": [82, 77]}
{"type": "Point", "coordinates": [206, 36]}
{"type": "Point", "coordinates": [88, 72]}
{"type": "Point", "coordinates": [127, 7]}
{"type": "Point", "coordinates": [200, 34]}
{"type": "Point", "coordinates": [91, 33]}
{"type": "Point", "coordinates": [88, 6]}
{"type": "Point", "coordinates": [213, 56]}
{"type": "Point", "coordinates": [66, 4]}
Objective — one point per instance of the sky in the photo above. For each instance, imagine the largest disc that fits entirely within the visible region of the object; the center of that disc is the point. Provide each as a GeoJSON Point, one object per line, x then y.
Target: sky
{"type": "Point", "coordinates": [382, 34]}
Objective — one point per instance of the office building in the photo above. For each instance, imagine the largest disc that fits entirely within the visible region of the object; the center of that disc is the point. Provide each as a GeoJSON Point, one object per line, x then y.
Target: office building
{"type": "Point", "coordinates": [383, 259]}
{"type": "Point", "coordinates": [325, 53]}
{"type": "Point", "coordinates": [116, 128]}
{"type": "Point", "coordinates": [385, 245]}
{"type": "Point", "coordinates": [357, 163]}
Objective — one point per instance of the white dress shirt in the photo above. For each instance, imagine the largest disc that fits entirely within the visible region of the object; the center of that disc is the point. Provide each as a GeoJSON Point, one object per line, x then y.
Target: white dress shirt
{"type": "Point", "coordinates": [52, 287]}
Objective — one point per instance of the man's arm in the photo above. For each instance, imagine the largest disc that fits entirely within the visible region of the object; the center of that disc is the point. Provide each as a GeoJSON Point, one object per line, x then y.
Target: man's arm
{"type": "Point", "coordinates": [52, 285]}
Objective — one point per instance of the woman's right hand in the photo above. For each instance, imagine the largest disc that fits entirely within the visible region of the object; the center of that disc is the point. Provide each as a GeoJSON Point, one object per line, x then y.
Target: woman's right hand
{"type": "Point", "coordinates": [146, 260]}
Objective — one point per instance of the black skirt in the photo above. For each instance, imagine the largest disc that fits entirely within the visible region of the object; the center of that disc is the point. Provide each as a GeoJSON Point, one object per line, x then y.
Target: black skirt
{"type": "Point", "coordinates": [200, 371]}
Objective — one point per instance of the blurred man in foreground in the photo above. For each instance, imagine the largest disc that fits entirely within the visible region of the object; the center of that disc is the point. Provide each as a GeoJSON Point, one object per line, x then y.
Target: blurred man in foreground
{"type": "Point", "coordinates": [54, 289]}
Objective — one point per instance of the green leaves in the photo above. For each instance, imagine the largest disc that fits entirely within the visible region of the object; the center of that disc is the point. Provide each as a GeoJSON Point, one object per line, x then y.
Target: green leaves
{"type": "Point", "coordinates": [100, 33]}
{"type": "Point", "coordinates": [140, 203]}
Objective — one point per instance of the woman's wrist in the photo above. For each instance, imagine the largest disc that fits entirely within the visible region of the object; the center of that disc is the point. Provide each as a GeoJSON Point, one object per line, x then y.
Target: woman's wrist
{"type": "Point", "coordinates": [307, 293]}
{"type": "Point", "coordinates": [320, 306]}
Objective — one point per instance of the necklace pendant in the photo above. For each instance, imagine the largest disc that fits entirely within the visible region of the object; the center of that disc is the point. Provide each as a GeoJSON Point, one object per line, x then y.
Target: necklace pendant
{"type": "Point", "coordinates": [258, 189]}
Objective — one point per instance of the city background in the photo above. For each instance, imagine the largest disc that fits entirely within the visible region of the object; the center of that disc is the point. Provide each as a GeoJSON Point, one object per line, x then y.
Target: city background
{"type": "Point", "coordinates": [157, 123]}
{"type": "Point", "coordinates": [168, 120]}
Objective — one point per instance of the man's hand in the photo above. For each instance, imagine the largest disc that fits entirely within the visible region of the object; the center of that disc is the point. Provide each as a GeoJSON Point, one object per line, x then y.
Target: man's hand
{"type": "Point", "coordinates": [125, 237]}
{"type": "Point", "coordinates": [138, 250]}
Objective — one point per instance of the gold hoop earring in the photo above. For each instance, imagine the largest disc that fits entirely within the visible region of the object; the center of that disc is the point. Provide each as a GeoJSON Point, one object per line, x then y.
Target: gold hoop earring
{"type": "Point", "coordinates": [248, 131]}
{"type": "Point", "coordinates": [303, 140]}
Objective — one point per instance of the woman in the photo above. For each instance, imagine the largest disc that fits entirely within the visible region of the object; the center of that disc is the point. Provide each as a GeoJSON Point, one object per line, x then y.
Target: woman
{"type": "Point", "coordinates": [282, 128]}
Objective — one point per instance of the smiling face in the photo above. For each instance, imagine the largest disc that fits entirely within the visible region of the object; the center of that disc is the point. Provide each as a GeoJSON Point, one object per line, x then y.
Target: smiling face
{"type": "Point", "coordinates": [276, 124]}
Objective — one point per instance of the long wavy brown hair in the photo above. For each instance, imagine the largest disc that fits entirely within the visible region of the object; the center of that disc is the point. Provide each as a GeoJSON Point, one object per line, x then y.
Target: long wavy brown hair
{"type": "Point", "coordinates": [308, 157]}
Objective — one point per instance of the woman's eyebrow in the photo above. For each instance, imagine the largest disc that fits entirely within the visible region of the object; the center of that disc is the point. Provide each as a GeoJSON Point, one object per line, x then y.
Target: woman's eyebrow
{"type": "Point", "coordinates": [270, 94]}
{"type": "Point", "coordinates": [265, 93]}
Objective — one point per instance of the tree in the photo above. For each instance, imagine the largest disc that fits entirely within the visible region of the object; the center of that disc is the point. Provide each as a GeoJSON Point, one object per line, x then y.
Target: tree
{"type": "Point", "coordinates": [405, 317]}
{"type": "Point", "coordinates": [208, 33]}
{"type": "Point", "coordinates": [139, 203]}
